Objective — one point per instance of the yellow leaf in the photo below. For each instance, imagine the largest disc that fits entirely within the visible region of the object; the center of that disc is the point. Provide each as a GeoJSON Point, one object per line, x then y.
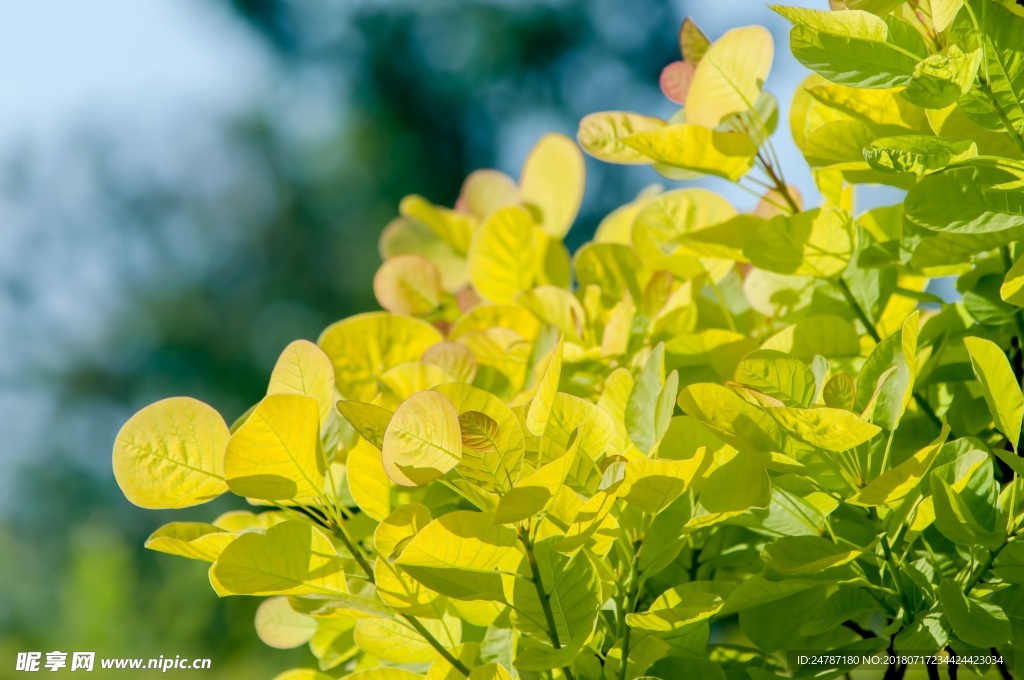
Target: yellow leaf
{"type": "Point", "coordinates": [730, 76]}
{"type": "Point", "coordinates": [535, 492]}
{"type": "Point", "coordinates": [193, 540]}
{"type": "Point", "coordinates": [302, 674]}
{"type": "Point", "coordinates": [423, 440]}
{"type": "Point", "coordinates": [281, 627]}
{"type": "Point", "coordinates": [458, 554]}
{"type": "Point", "coordinates": [408, 284]}
{"type": "Point", "coordinates": [396, 588]}
{"type": "Point", "coordinates": [700, 149]}
{"type": "Point", "coordinates": [893, 485]}
{"type": "Point", "coordinates": [502, 258]}
{"type": "Point", "coordinates": [485, 191]}
{"type": "Point", "coordinates": [601, 135]}
{"type": "Point", "coordinates": [276, 454]}
{"type": "Point", "coordinates": [555, 307]}
{"type": "Point", "coordinates": [486, 317]}
{"type": "Point", "coordinates": [368, 484]}
{"type": "Point", "coordinates": [547, 387]}
{"type": "Point", "coordinates": [397, 642]}
{"type": "Point", "coordinates": [403, 381]}
{"type": "Point", "coordinates": [171, 454]}
{"type": "Point", "coordinates": [494, 467]}
{"type": "Point", "coordinates": [827, 428]}
{"type": "Point", "coordinates": [452, 227]}
{"type": "Point", "coordinates": [552, 181]}
{"type": "Point", "coordinates": [570, 413]}
{"type": "Point", "coordinates": [454, 359]}
{"type": "Point", "coordinates": [651, 485]}
{"type": "Point", "coordinates": [364, 346]}
{"type": "Point", "coordinates": [291, 558]}
{"type": "Point", "coordinates": [304, 369]}
{"type": "Point", "coordinates": [240, 521]}
{"type": "Point", "coordinates": [1012, 289]}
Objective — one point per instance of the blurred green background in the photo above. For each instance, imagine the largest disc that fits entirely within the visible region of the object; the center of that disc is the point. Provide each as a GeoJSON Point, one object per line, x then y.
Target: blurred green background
{"type": "Point", "coordinates": [188, 185]}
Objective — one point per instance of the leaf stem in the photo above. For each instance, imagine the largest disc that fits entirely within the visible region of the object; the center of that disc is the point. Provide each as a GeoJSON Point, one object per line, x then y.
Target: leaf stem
{"type": "Point", "coordinates": [893, 569]}
{"type": "Point", "coordinates": [984, 567]}
{"type": "Point", "coordinates": [435, 643]}
{"type": "Point", "coordinates": [779, 183]}
{"type": "Point", "coordinates": [921, 402]}
{"type": "Point", "coordinates": [357, 553]}
{"type": "Point", "coordinates": [542, 595]}
{"type": "Point", "coordinates": [630, 604]}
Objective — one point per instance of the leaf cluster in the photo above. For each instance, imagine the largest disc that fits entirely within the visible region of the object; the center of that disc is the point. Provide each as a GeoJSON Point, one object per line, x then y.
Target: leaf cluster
{"type": "Point", "coordinates": [767, 425]}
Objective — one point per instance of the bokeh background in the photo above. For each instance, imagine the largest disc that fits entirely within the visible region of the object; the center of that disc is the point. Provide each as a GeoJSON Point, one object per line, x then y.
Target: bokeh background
{"type": "Point", "coordinates": [188, 185]}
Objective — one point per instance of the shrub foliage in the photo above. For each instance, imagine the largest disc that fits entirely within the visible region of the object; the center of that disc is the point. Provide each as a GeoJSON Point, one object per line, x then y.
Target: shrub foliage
{"type": "Point", "coordinates": [705, 438]}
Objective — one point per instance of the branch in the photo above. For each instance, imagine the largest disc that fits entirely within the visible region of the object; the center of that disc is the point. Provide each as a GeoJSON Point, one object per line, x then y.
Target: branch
{"type": "Point", "coordinates": [542, 595]}
{"type": "Point", "coordinates": [364, 564]}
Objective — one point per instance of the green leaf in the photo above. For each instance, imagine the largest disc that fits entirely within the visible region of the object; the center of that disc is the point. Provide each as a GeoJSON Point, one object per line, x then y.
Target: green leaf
{"type": "Point", "coordinates": [855, 48]}
{"type": "Point", "coordinates": [940, 80]}
{"type": "Point", "coordinates": [730, 75]}
{"type": "Point", "coordinates": [573, 592]}
{"type": "Point", "coordinates": [1003, 64]}
{"type": "Point", "coordinates": [975, 622]}
{"type": "Point", "coordinates": [778, 375]}
{"type": "Point", "coordinates": [999, 385]}
{"type": "Point", "coordinates": [676, 608]}
{"type": "Point", "coordinates": [840, 392]}
{"type": "Point", "coordinates": [276, 453]}
{"type": "Point", "coordinates": [804, 555]}
{"type": "Point", "coordinates": [700, 149]}
{"type": "Point", "coordinates": [918, 154]}
{"type": "Point", "coordinates": [457, 555]}
{"type": "Point", "coordinates": [369, 420]}
{"type": "Point", "coordinates": [737, 422]}
{"type": "Point", "coordinates": [651, 402]}
{"type": "Point", "coordinates": [423, 441]}
{"type": "Point", "coordinates": [875, 6]}
{"type": "Point", "coordinates": [303, 674]}
{"type": "Point", "coordinates": [614, 267]}
{"type": "Point", "coordinates": [966, 200]}
{"type": "Point", "coordinates": [811, 243]}
{"type": "Point", "coordinates": [890, 389]}
{"type": "Point", "coordinates": [171, 454]}
{"type": "Point", "coordinates": [953, 517]}
{"type": "Point", "coordinates": [927, 634]}
{"type": "Point", "coordinates": [1012, 290]}
{"type": "Point", "coordinates": [894, 485]}
{"type": "Point", "coordinates": [825, 428]}
{"type": "Point", "coordinates": [535, 492]}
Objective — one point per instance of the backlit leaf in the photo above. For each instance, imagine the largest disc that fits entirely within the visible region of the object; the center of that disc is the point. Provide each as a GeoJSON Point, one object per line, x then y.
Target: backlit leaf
{"type": "Point", "coordinates": [171, 454]}
{"type": "Point", "coordinates": [423, 440]}
{"type": "Point", "coordinates": [730, 75]}
{"type": "Point", "coordinates": [552, 182]}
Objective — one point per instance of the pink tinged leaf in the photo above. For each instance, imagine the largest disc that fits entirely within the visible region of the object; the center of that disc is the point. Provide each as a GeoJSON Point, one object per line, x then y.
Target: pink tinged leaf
{"type": "Point", "coordinates": [675, 80]}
